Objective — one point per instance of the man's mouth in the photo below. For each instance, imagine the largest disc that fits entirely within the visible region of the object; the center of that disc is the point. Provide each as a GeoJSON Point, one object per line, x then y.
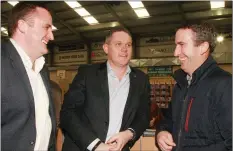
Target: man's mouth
{"type": "Point", "coordinates": [123, 55]}
{"type": "Point", "coordinates": [182, 58]}
{"type": "Point", "coordinates": [44, 41]}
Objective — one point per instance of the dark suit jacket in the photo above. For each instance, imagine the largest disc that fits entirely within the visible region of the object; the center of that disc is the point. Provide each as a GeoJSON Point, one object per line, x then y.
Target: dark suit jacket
{"type": "Point", "coordinates": [17, 104]}
{"type": "Point", "coordinates": [85, 111]}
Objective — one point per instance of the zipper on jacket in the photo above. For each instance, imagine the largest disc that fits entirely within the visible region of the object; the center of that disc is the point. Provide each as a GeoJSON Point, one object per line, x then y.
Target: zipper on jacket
{"type": "Point", "coordinates": [188, 115]}
{"type": "Point", "coordinates": [182, 119]}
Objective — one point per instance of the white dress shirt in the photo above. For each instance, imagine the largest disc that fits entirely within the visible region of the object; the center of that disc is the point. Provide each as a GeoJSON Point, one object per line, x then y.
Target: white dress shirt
{"type": "Point", "coordinates": [41, 99]}
{"type": "Point", "coordinates": [118, 94]}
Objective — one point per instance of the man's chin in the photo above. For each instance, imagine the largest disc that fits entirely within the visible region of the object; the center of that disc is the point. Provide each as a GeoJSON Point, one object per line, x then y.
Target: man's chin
{"type": "Point", "coordinates": [44, 51]}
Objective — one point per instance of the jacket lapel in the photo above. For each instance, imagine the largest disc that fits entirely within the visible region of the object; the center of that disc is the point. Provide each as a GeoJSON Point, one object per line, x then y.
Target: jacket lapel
{"type": "Point", "coordinates": [104, 86]}
{"type": "Point", "coordinates": [129, 103]}
{"type": "Point", "coordinates": [46, 81]}
{"type": "Point", "coordinates": [18, 66]}
{"type": "Point", "coordinates": [47, 86]}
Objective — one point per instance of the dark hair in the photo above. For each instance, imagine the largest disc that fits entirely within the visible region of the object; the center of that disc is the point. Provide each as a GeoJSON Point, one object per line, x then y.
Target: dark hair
{"type": "Point", "coordinates": [203, 32]}
{"type": "Point", "coordinates": [111, 32]}
{"type": "Point", "coordinates": [22, 10]}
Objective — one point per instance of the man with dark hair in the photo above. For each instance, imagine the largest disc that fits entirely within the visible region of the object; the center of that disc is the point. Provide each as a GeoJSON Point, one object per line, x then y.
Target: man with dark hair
{"type": "Point", "coordinates": [27, 113]}
{"type": "Point", "coordinates": [107, 105]}
{"type": "Point", "coordinates": [200, 115]}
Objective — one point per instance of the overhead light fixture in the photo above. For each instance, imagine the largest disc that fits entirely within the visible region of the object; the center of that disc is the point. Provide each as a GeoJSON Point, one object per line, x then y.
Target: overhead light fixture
{"type": "Point", "coordinates": [54, 28]}
{"type": "Point", "coordinates": [4, 30]}
{"type": "Point", "coordinates": [139, 9]}
{"type": "Point", "coordinates": [142, 12]}
{"type": "Point", "coordinates": [82, 12]}
{"type": "Point", "coordinates": [220, 38]}
{"type": "Point", "coordinates": [217, 4]}
{"type": "Point", "coordinates": [135, 4]}
{"type": "Point", "coordinates": [73, 4]}
{"type": "Point", "coordinates": [13, 3]}
{"type": "Point", "coordinates": [91, 20]}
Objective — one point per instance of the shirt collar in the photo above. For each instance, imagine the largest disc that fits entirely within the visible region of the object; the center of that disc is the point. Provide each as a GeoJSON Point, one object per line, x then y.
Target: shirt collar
{"type": "Point", "coordinates": [39, 63]}
{"type": "Point", "coordinates": [110, 70]}
{"type": "Point", "coordinates": [201, 72]}
{"type": "Point", "coordinates": [189, 79]}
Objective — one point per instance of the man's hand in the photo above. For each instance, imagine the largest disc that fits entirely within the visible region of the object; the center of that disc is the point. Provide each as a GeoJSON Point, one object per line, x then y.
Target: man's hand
{"type": "Point", "coordinates": [105, 147]}
{"type": "Point", "coordinates": [165, 141]}
{"type": "Point", "coordinates": [152, 122]}
{"type": "Point", "coordinates": [120, 139]}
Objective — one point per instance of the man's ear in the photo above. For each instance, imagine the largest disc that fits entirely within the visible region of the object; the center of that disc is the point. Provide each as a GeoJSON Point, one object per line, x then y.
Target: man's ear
{"type": "Point", "coordinates": [205, 47]}
{"type": "Point", "coordinates": [22, 26]}
{"type": "Point", "coordinates": [105, 47]}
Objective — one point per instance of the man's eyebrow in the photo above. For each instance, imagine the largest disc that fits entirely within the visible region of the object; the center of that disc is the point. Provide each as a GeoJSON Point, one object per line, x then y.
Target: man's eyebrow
{"type": "Point", "coordinates": [48, 25]}
{"type": "Point", "coordinates": [180, 42]}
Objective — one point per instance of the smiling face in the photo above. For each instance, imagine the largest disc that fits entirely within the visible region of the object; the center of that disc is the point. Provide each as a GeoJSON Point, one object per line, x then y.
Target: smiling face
{"type": "Point", "coordinates": [40, 33]}
{"type": "Point", "coordinates": [189, 55]}
{"type": "Point", "coordinates": [119, 49]}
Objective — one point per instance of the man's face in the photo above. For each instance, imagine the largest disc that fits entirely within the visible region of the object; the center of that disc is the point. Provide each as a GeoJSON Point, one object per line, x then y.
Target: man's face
{"type": "Point", "coordinates": [119, 49]}
{"type": "Point", "coordinates": [186, 51]}
{"type": "Point", "coordinates": [39, 34]}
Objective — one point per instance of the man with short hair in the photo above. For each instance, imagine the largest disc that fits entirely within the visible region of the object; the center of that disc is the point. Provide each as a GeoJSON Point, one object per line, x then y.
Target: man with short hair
{"type": "Point", "coordinates": [200, 115]}
{"type": "Point", "coordinates": [107, 105]}
{"type": "Point", "coordinates": [27, 112]}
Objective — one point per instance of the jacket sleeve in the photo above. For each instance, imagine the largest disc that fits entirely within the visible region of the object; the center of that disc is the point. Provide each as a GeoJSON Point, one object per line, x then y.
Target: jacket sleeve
{"type": "Point", "coordinates": [70, 115]}
{"type": "Point", "coordinates": [224, 113]}
{"type": "Point", "coordinates": [166, 123]}
{"type": "Point", "coordinates": [142, 118]}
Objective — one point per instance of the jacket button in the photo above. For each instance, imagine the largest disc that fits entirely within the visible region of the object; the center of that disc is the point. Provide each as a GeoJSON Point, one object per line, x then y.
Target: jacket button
{"type": "Point", "coordinates": [106, 123]}
{"type": "Point", "coordinates": [32, 143]}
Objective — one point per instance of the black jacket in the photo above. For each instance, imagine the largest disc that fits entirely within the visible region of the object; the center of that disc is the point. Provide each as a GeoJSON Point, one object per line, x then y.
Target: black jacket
{"type": "Point", "coordinates": [85, 111]}
{"type": "Point", "coordinates": [18, 129]}
{"type": "Point", "coordinates": [200, 115]}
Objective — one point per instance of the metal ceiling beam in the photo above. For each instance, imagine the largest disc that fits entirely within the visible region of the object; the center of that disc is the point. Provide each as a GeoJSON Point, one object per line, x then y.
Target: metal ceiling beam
{"type": "Point", "coordinates": [114, 14]}
{"type": "Point", "coordinates": [4, 16]}
{"type": "Point", "coordinates": [182, 12]}
{"type": "Point", "coordinates": [65, 10]}
{"type": "Point", "coordinates": [56, 17]}
{"type": "Point", "coordinates": [79, 35]}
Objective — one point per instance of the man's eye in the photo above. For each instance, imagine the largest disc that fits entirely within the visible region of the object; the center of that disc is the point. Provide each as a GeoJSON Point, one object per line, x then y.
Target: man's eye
{"type": "Point", "coordinates": [118, 44]}
{"type": "Point", "coordinates": [129, 45]}
{"type": "Point", "coordinates": [47, 27]}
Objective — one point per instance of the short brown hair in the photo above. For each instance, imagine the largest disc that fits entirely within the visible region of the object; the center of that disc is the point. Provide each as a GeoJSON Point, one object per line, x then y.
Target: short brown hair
{"type": "Point", "coordinates": [203, 32]}
{"type": "Point", "coordinates": [21, 11]}
{"type": "Point", "coordinates": [111, 32]}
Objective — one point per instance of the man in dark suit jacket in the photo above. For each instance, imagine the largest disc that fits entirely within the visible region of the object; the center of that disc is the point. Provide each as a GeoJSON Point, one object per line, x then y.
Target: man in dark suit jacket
{"type": "Point", "coordinates": [107, 105]}
{"type": "Point", "coordinates": [27, 112]}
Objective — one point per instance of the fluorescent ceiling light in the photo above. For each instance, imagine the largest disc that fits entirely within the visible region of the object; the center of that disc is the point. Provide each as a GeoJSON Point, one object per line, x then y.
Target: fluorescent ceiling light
{"type": "Point", "coordinates": [217, 4]}
{"type": "Point", "coordinates": [82, 12]}
{"type": "Point", "coordinates": [73, 4]}
{"type": "Point", "coordinates": [4, 30]}
{"type": "Point", "coordinates": [13, 3]}
{"type": "Point", "coordinates": [220, 38]}
{"type": "Point", "coordinates": [54, 28]}
{"type": "Point", "coordinates": [142, 12]}
{"type": "Point", "coordinates": [91, 20]}
{"type": "Point", "coordinates": [135, 4]}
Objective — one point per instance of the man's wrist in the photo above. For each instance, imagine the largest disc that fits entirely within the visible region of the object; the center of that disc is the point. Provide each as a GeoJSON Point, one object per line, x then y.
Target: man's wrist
{"type": "Point", "coordinates": [132, 132]}
{"type": "Point", "coordinates": [96, 145]}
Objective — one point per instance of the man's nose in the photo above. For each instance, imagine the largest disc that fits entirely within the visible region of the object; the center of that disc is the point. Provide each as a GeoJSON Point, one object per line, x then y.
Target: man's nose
{"type": "Point", "coordinates": [50, 35]}
{"type": "Point", "coordinates": [124, 47]}
{"type": "Point", "coordinates": [176, 52]}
